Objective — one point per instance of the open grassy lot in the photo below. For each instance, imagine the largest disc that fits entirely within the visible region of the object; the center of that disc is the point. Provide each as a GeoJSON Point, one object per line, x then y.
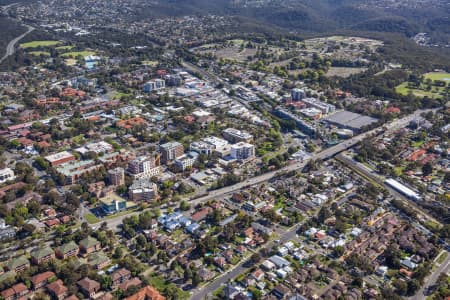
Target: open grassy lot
{"type": "Point", "coordinates": [35, 44]}
{"type": "Point", "coordinates": [344, 72]}
{"type": "Point", "coordinates": [151, 63]}
{"type": "Point", "coordinates": [91, 218]}
{"type": "Point", "coordinates": [438, 76]}
{"type": "Point", "coordinates": [432, 91]}
{"type": "Point", "coordinates": [75, 54]}
{"type": "Point", "coordinates": [64, 47]}
{"type": "Point", "coordinates": [161, 284]}
{"type": "Point", "coordinates": [39, 53]}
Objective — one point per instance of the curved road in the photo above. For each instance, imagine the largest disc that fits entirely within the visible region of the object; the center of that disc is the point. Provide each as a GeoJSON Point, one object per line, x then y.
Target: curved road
{"type": "Point", "coordinates": [11, 48]}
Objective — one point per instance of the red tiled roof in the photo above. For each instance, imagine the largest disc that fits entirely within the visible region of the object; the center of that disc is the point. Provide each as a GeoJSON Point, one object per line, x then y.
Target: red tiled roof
{"type": "Point", "coordinates": [57, 287]}
{"type": "Point", "coordinates": [36, 279]}
{"type": "Point", "coordinates": [146, 293]}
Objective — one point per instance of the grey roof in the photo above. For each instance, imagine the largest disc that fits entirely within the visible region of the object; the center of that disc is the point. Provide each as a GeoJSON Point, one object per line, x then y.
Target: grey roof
{"type": "Point", "coordinates": [350, 120]}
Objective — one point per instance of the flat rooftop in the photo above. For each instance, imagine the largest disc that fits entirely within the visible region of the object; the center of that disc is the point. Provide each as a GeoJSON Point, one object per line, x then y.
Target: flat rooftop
{"type": "Point", "coordinates": [350, 120]}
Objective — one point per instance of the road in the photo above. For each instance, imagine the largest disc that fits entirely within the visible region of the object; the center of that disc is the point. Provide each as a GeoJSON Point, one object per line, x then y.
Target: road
{"type": "Point", "coordinates": [114, 223]}
{"type": "Point", "coordinates": [431, 279]}
{"type": "Point", "coordinates": [380, 180]}
{"type": "Point", "coordinates": [11, 48]}
{"type": "Point", "coordinates": [201, 293]}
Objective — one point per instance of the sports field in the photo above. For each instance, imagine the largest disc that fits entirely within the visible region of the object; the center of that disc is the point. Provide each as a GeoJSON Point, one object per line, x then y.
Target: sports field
{"type": "Point", "coordinates": [36, 44]}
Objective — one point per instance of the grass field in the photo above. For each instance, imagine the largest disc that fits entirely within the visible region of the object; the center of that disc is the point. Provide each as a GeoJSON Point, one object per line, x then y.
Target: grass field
{"type": "Point", "coordinates": [161, 284]}
{"type": "Point", "coordinates": [151, 63]}
{"type": "Point", "coordinates": [438, 76]}
{"type": "Point", "coordinates": [39, 53]}
{"type": "Point", "coordinates": [442, 257]}
{"type": "Point", "coordinates": [91, 218]}
{"type": "Point", "coordinates": [118, 95]}
{"type": "Point", "coordinates": [64, 47]}
{"type": "Point", "coordinates": [75, 54]}
{"type": "Point", "coordinates": [403, 89]}
{"type": "Point", "coordinates": [344, 72]}
{"type": "Point", "coordinates": [35, 44]}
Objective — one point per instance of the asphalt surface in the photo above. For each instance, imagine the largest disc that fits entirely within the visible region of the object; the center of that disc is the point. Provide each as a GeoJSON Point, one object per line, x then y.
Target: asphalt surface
{"type": "Point", "coordinates": [11, 48]}
{"type": "Point", "coordinates": [367, 172]}
{"type": "Point", "coordinates": [431, 279]}
{"type": "Point", "coordinates": [114, 223]}
{"type": "Point", "coordinates": [239, 269]}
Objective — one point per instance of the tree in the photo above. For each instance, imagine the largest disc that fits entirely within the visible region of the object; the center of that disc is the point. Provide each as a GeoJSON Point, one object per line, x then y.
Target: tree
{"type": "Point", "coordinates": [392, 257]}
{"type": "Point", "coordinates": [413, 287]}
{"type": "Point", "coordinates": [184, 205]}
{"type": "Point", "coordinates": [427, 169]}
{"type": "Point", "coordinates": [196, 280]}
{"type": "Point", "coordinates": [187, 274]}
{"type": "Point", "coordinates": [338, 251]}
{"type": "Point", "coordinates": [401, 287]}
{"type": "Point", "coordinates": [118, 253]}
{"type": "Point", "coordinates": [255, 258]}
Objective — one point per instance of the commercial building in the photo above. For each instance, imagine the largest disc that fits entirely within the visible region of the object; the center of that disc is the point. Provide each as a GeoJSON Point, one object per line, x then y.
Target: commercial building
{"type": "Point", "coordinates": [154, 85]}
{"type": "Point", "coordinates": [173, 80]}
{"type": "Point", "coordinates": [186, 161]}
{"type": "Point", "coordinates": [210, 145]}
{"type": "Point", "coordinates": [145, 166]}
{"type": "Point", "coordinates": [311, 112]}
{"type": "Point", "coordinates": [73, 171]}
{"type": "Point", "coordinates": [6, 231]}
{"type": "Point", "coordinates": [112, 204]}
{"type": "Point", "coordinates": [298, 94]}
{"type": "Point", "coordinates": [302, 125]}
{"type": "Point", "coordinates": [242, 151]}
{"type": "Point", "coordinates": [99, 147]}
{"type": "Point", "coordinates": [406, 191]}
{"type": "Point", "coordinates": [322, 106]}
{"type": "Point", "coordinates": [59, 158]}
{"type": "Point", "coordinates": [171, 151]}
{"type": "Point", "coordinates": [349, 120]}
{"type": "Point", "coordinates": [235, 135]}
{"type": "Point", "coordinates": [116, 176]}
{"type": "Point", "coordinates": [143, 189]}
{"type": "Point", "coordinates": [6, 174]}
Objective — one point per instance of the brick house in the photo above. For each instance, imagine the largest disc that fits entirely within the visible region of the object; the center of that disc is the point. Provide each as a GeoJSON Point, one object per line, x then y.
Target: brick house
{"type": "Point", "coordinates": [67, 250]}
{"type": "Point", "coordinates": [17, 291]}
{"type": "Point", "coordinates": [120, 276]}
{"type": "Point", "coordinates": [89, 245]}
{"type": "Point", "coordinates": [42, 255]}
{"type": "Point", "coordinates": [88, 287]}
{"type": "Point", "coordinates": [40, 280]}
{"type": "Point", "coordinates": [57, 290]}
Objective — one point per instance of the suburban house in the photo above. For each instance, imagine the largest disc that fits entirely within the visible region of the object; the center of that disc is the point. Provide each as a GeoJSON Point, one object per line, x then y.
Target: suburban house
{"type": "Point", "coordinates": [89, 287]}
{"type": "Point", "coordinates": [67, 250]}
{"type": "Point", "coordinates": [120, 276]}
{"type": "Point", "coordinates": [147, 293]}
{"type": "Point", "coordinates": [17, 291]}
{"type": "Point", "coordinates": [57, 290]}
{"type": "Point", "coordinates": [40, 280]}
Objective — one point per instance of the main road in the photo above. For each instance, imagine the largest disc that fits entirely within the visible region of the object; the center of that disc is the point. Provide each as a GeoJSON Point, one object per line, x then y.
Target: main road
{"type": "Point", "coordinates": [11, 48]}
{"type": "Point", "coordinates": [431, 280]}
{"type": "Point", "coordinates": [204, 291]}
{"type": "Point", "coordinates": [114, 223]}
{"type": "Point", "coordinates": [380, 180]}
